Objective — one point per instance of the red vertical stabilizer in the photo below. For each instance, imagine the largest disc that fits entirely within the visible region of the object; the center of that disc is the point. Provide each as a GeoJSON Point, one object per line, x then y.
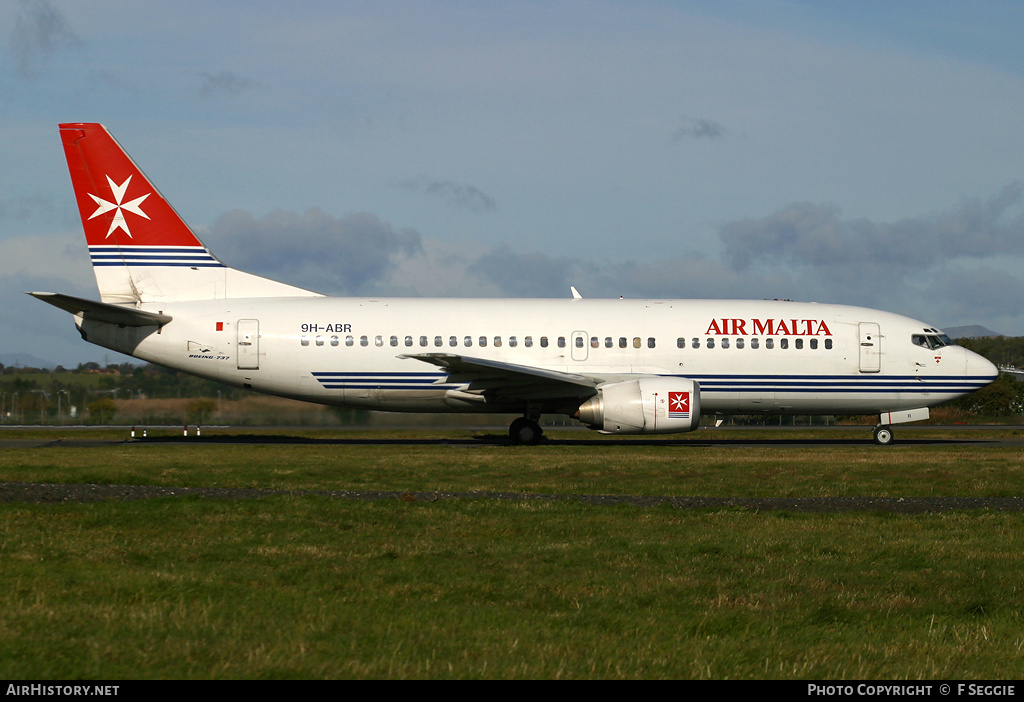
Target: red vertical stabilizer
{"type": "Point", "coordinates": [141, 250]}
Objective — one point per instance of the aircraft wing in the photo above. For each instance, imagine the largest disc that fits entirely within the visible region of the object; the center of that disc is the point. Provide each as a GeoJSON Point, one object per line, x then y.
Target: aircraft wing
{"type": "Point", "coordinates": [102, 311]}
{"type": "Point", "coordinates": [508, 380]}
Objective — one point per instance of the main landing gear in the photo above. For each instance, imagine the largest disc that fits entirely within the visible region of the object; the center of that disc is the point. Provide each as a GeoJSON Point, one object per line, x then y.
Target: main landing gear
{"type": "Point", "coordinates": [525, 430]}
{"type": "Point", "coordinates": [883, 435]}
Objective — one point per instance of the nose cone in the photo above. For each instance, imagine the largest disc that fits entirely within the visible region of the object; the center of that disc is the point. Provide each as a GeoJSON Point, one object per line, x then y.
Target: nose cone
{"type": "Point", "coordinates": [980, 367]}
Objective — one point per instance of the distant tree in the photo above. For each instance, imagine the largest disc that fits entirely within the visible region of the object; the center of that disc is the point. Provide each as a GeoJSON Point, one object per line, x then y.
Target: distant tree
{"type": "Point", "coordinates": [1002, 398]}
{"type": "Point", "coordinates": [1001, 350]}
{"type": "Point", "coordinates": [102, 410]}
{"type": "Point", "coordinates": [200, 409]}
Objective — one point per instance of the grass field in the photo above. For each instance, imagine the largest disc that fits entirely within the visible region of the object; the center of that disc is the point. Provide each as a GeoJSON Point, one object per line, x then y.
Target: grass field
{"type": "Point", "coordinates": [315, 587]}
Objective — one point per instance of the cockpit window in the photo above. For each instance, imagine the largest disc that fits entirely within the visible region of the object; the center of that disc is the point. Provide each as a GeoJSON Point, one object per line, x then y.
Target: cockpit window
{"type": "Point", "coordinates": [931, 341]}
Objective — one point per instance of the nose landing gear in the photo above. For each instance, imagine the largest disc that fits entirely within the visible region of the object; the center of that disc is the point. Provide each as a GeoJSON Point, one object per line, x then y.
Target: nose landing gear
{"type": "Point", "coordinates": [883, 435]}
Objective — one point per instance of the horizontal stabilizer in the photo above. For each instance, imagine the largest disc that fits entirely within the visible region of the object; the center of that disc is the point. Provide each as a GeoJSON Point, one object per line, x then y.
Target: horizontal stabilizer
{"type": "Point", "coordinates": [102, 311]}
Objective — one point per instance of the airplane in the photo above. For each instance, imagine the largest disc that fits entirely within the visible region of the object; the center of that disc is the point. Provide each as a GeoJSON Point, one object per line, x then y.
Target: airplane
{"type": "Point", "coordinates": [620, 366]}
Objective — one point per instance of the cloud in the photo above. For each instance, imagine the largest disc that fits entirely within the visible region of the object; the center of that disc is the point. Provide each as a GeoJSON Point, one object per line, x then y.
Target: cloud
{"type": "Point", "coordinates": [535, 274]}
{"type": "Point", "coordinates": [457, 194]}
{"type": "Point", "coordinates": [23, 208]}
{"type": "Point", "coordinates": [314, 249]}
{"type": "Point", "coordinates": [982, 293]}
{"type": "Point", "coordinates": [531, 274]}
{"type": "Point", "coordinates": [961, 265]}
{"type": "Point", "coordinates": [696, 128]}
{"type": "Point", "coordinates": [53, 262]}
{"type": "Point", "coordinates": [39, 32]}
{"type": "Point", "coordinates": [105, 80]}
{"type": "Point", "coordinates": [957, 266]}
{"type": "Point", "coordinates": [818, 235]}
{"type": "Point", "coordinates": [947, 267]}
{"type": "Point", "coordinates": [223, 83]}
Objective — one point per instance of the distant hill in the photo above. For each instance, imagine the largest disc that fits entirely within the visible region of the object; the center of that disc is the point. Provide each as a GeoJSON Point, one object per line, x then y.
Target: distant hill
{"type": "Point", "coordinates": [25, 360]}
{"type": "Point", "coordinates": [973, 331]}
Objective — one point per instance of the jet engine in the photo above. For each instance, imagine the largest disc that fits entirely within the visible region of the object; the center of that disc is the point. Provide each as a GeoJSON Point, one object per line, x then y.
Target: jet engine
{"type": "Point", "coordinates": [662, 405]}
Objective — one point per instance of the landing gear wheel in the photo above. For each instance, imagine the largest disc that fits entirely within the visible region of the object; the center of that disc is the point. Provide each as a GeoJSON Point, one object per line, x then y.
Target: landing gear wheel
{"type": "Point", "coordinates": [524, 431]}
{"type": "Point", "coordinates": [883, 435]}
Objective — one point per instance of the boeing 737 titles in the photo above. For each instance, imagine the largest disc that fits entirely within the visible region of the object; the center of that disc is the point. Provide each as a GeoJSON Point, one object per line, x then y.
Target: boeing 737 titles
{"type": "Point", "coordinates": [619, 366]}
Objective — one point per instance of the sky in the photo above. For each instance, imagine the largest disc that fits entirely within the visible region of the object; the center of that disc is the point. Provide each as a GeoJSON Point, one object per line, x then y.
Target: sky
{"type": "Point", "coordinates": [867, 153]}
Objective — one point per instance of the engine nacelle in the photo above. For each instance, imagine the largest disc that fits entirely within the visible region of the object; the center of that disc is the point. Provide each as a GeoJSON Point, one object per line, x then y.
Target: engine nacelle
{"type": "Point", "coordinates": [644, 406]}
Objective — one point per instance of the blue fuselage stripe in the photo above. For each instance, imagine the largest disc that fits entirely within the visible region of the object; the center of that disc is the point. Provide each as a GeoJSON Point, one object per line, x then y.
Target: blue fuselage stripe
{"type": "Point", "coordinates": [336, 380]}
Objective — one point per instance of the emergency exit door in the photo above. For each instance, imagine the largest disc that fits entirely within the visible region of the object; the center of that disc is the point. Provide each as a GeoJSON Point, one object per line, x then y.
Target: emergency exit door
{"type": "Point", "coordinates": [579, 349]}
{"type": "Point", "coordinates": [248, 344]}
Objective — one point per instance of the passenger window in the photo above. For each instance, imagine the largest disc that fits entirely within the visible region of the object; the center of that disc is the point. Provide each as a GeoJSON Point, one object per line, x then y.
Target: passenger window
{"type": "Point", "coordinates": [814, 344]}
{"type": "Point", "coordinates": [497, 341]}
{"type": "Point", "coordinates": [680, 343]}
{"type": "Point", "coordinates": [453, 341]}
{"type": "Point", "coordinates": [543, 342]}
{"type": "Point", "coordinates": [739, 343]}
{"type": "Point", "coordinates": [350, 340]}
{"type": "Point", "coordinates": [695, 343]}
{"type": "Point", "coordinates": [725, 343]}
{"type": "Point", "coordinates": [636, 342]}
{"type": "Point", "coordinates": [468, 341]}
{"type": "Point", "coordinates": [783, 343]}
{"type": "Point", "coordinates": [438, 341]}
{"type": "Point", "coordinates": [528, 341]}
{"type": "Point", "coordinates": [828, 343]}
{"type": "Point", "coordinates": [711, 342]}
{"type": "Point", "coordinates": [513, 342]}
{"type": "Point", "coordinates": [561, 342]}
{"type": "Point", "coordinates": [483, 341]}
{"type": "Point", "coordinates": [423, 341]}
{"type": "Point", "coordinates": [319, 340]}
{"type": "Point", "coordinates": [594, 343]}
{"type": "Point", "coordinates": [304, 340]}
{"type": "Point", "coordinates": [364, 341]}
{"type": "Point", "coordinates": [769, 343]}
{"type": "Point", "coordinates": [334, 341]}
{"type": "Point", "coordinates": [650, 342]}
{"type": "Point", "coordinates": [378, 340]}
{"type": "Point", "coordinates": [799, 343]}
{"type": "Point", "coordinates": [579, 342]}
{"type": "Point", "coordinates": [623, 342]}
{"type": "Point", "coordinates": [754, 343]}
{"type": "Point", "coordinates": [408, 341]}
{"type": "Point", "coordinates": [394, 341]}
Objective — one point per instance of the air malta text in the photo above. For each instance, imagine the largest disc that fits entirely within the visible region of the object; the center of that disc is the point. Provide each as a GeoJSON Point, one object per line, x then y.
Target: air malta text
{"type": "Point", "coordinates": [768, 327]}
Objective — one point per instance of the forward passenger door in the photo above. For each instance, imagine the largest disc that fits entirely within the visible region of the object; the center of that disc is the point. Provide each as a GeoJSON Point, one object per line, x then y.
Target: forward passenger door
{"type": "Point", "coordinates": [870, 348]}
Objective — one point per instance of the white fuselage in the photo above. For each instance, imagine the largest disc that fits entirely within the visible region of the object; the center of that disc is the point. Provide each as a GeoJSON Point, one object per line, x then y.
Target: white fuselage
{"type": "Point", "coordinates": [747, 356]}
{"type": "Point", "coordinates": [620, 366]}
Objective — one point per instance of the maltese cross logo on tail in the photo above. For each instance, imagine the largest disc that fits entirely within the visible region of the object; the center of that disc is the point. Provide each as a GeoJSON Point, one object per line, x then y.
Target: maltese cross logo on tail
{"type": "Point", "coordinates": [118, 222]}
{"type": "Point", "coordinates": [679, 405]}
